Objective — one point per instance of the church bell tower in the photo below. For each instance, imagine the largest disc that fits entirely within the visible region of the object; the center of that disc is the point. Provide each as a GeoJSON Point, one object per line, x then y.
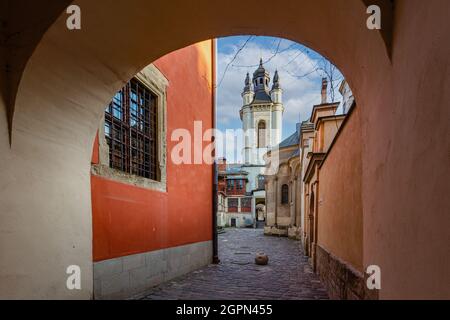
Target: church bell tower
{"type": "Point", "coordinates": [261, 115]}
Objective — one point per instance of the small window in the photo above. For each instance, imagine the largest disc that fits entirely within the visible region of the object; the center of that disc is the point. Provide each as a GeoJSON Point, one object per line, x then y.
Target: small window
{"type": "Point", "coordinates": [246, 202]}
{"type": "Point", "coordinates": [233, 202]}
{"type": "Point", "coordinates": [261, 182]}
{"type": "Point", "coordinates": [285, 194]}
{"type": "Point", "coordinates": [262, 134]}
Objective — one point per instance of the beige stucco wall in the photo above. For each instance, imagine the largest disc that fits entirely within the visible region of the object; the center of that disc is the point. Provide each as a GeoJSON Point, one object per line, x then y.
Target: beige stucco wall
{"type": "Point", "coordinates": [406, 163]}
{"type": "Point", "coordinates": [46, 222]}
{"type": "Point", "coordinates": [285, 216]}
{"type": "Point", "coordinates": [330, 128]}
{"type": "Point", "coordinates": [283, 210]}
{"type": "Point", "coordinates": [340, 211]}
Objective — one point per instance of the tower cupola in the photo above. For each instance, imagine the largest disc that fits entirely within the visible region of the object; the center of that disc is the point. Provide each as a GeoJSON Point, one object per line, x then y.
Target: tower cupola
{"type": "Point", "coordinates": [261, 78]}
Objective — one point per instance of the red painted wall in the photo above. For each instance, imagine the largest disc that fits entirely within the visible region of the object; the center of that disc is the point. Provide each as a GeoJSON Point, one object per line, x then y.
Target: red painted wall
{"type": "Point", "coordinates": [129, 220]}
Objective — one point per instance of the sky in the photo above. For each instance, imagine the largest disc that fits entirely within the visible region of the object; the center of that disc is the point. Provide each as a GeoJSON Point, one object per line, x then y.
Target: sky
{"type": "Point", "coordinates": [295, 64]}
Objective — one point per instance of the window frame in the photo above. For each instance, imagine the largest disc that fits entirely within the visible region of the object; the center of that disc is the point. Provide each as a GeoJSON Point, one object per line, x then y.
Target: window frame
{"type": "Point", "coordinates": [284, 194]}
{"type": "Point", "coordinates": [157, 84]}
{"type": "Point", "coordinates": [133, 130]}
{"type": "Point", "coordinates": [262, 134]}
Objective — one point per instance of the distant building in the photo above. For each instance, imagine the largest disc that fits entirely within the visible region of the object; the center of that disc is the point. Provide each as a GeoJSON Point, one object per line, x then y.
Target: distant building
{"type": "Point", "coordinates": [282, 187]}
{"type": "Point", "coordinates": [261, 115]}
{"type": "Point", "coordinates": [234, 204]}
{"type": "Point", "coordinates": [293, 183]}
{"type": "Point", "coordinates": [313, 187]}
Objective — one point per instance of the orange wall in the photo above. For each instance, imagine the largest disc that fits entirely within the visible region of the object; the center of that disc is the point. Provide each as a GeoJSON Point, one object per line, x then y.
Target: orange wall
{"type": "Point", "coordinates": [340, 222]}
{"type": "Point", "coordinates": [129, 220]}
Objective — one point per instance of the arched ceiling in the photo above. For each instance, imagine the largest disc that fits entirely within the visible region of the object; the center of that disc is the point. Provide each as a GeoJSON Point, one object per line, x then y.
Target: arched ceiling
{"type": "Point", "coordinates": [150, 29]}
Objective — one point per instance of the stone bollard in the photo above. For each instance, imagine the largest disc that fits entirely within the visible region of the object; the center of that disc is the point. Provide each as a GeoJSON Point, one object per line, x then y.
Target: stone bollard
{"type": "Point", "coordinates": [261, 259]}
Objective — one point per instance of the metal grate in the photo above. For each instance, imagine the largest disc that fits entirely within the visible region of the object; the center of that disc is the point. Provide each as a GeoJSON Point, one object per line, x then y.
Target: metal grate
{"type": "Point", "coordinates": [131, 131]}
{"type": "Point", "coordinates": [246, 202]}
{"type": "Point", "coordinates": [233, 202]}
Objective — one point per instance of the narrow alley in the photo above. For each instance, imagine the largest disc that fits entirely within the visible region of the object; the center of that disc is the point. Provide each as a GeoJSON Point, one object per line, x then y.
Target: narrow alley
{"type": "Point", "coordinates": [288, 276]}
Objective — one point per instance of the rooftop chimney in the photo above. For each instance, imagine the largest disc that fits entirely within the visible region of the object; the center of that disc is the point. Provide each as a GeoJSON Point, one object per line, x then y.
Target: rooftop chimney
{"type": "Point", "coordinates": [324, 90]}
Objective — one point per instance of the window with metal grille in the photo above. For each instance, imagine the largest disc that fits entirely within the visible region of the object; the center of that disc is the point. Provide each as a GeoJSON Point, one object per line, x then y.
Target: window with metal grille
{"type": "Point", "coordinates": [246, 202]}
{"type": "Point", "coordinates": [285, 194]}
{"type": "Point", "coordinates": [131, 131]}
{"type": "Point", "coordinates": [233, 202]}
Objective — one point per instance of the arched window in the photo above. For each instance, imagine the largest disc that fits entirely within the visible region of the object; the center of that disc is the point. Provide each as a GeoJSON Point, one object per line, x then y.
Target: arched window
{"type": "Point", "coordinates": [311, 204]}
{"type": "Point", "coordinates": [284, 194]}
{"type": "Point", "coordinates": [262, 134]}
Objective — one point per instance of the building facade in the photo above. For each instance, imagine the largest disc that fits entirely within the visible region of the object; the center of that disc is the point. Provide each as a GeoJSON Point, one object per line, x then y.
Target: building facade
{"type": "Point", "coordinates": [148, 225]}
{"type": "Point", "coordinates": [261, 115]}
{"type": "Point", "coordinates": [282, 188]}
{"type": "Point", "coordinates": [234, 203]}
{"type": "Point", "coordinates": [314, 195]}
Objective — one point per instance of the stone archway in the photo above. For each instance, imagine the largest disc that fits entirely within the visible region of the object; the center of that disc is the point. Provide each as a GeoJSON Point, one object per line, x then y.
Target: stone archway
{"type": "Point", "coordinates": [65, 78]}
{"type": "Point", "coordinates": [261, 212]}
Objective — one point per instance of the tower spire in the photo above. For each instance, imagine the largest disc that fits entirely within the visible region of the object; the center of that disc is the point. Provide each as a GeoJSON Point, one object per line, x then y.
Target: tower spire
{"type": "Point", "coordinates": [248, 84]}
{"type": "Point", "coordinates": [276, 81]}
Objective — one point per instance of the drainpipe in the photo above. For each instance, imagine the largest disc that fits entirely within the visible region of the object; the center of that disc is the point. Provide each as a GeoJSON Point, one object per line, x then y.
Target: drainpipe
{"type": "Point", "coordinates": [215, 248]}
{"type": "Point", "coordinates": [214, 219]}
{"type": "Point", "coordinates": [276, 202]}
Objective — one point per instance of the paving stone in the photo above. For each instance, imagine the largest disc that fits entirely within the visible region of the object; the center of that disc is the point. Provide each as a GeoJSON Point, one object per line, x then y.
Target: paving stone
{"type": "Point", "coordinates": [287, 276]}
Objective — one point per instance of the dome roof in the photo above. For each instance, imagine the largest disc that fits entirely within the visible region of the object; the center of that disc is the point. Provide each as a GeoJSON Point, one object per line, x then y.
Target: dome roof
{"type": "Point", "coordinates": [261, 71]}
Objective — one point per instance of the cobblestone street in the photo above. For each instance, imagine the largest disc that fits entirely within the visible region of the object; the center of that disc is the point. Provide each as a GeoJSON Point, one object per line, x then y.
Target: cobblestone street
{"type": "Point", "coordinates": [288, 276]}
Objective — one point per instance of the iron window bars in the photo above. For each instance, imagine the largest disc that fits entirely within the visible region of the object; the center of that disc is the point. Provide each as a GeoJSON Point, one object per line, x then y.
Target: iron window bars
{"type": "Point", "coordinates": [131, 130]}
